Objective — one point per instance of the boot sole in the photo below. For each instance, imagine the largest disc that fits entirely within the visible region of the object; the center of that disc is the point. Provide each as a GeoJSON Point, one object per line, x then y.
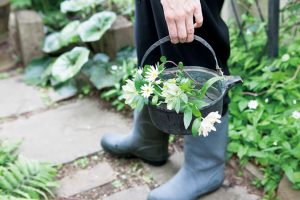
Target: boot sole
{"type": "Point", "coordinates": [131, 156]}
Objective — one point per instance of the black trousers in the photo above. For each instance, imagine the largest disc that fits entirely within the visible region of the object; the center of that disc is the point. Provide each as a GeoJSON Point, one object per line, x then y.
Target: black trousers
{"type": "Point", "coordinates": [151, 26]}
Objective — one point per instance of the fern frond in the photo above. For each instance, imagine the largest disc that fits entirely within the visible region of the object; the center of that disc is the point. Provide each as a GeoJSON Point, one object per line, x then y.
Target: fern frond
{"type": "Point", "coordinates": [28, 179]}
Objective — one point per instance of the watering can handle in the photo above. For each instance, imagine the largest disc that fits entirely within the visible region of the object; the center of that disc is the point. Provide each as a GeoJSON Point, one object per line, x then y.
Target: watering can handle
{"type": "Point", "coordinates": [167, 39]}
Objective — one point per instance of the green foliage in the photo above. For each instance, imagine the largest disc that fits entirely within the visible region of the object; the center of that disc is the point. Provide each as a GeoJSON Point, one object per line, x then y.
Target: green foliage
{"type": "Point", "coordinates": [69, 64]}
{"type": "Point", "coordinates": [104, 74]}
{"type": "Point", "coordinates": [21, 178]}
{"type": "Point", "coordinates": [127, 59]}
{"type": "Point", "coordinates": [79, 5]}
{"type": "Point", "coordinates": [268, 135]}
{"type": "Point", "coordinates": [122, 7]}
{"type": "Point", "coordinates": [95, 27]}
{"type": "Point", "coordinates": [49, 10]}
{"type": "Point", "coordinates": [67, 36]}
{"type": "Point", "coordinates": [36, 71]}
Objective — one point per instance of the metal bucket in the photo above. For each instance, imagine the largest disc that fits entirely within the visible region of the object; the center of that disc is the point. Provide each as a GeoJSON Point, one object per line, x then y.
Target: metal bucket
{"type": "Point", "coordinates": [171, 122]}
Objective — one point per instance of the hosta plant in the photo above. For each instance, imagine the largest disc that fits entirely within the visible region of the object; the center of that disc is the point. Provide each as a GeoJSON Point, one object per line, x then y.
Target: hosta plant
{"type": "Point", "coordinates": [180, 93]}
{"type": "Point", "coordinates": [79, 5]}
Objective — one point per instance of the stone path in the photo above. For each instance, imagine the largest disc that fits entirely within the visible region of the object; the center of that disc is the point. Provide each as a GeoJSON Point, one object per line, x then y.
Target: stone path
{"type": "Point", "coordinates": [71, 130]}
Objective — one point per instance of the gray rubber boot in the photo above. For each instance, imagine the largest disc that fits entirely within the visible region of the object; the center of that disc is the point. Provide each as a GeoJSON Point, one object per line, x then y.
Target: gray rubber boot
{"type": "Point", "coordinates": [145, 141]}
{"type": "Point", "coordinates": [203, 168]}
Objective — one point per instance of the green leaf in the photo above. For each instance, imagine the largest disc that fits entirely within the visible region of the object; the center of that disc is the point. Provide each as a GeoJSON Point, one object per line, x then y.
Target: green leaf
{"type": "Point", "coordinates": [69, 33]}
{"type": "Point", "coordinates": [100, 72]}
{"type": "Point", "coordinates": [177, 105]}
{"type": "Point", "coordinates": [58, 40]}
{"type": "Point", "coordinates": [69, 64]}
{"type": "Point", "coordinates": [155, 100]}
{"type": "Point", "coordinates": [140, 104]}
{"type": "Point", "coordinates": [195, 127]}
{"type": "Point", "coordinates": [78, 5]}
{"type": "Point", "coordinates": [163, 59]}
{"type": "Point", "coordinates": [188, 115]}
{"type": "Point", "coordinates": [243, 104]}
{"type": "Point", "coordinates": [208, 84]}
{"type": "Point", "coordinates": [35, 69]}
{"type": "Point", "coordinates": [196, 111]}
{"type": "Point", "coordinates": [67, 89]}
{"type": "Point", "coordinates": [93, 29]}
{"type": "Point", "coordinates": [52, 43]}
{"type": "Point", "coordinates": [233, 147]}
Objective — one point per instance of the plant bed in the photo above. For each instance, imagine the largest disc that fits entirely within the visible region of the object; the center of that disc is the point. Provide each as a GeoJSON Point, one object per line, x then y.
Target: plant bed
{"type": "Point", "coordinates": [4, 17]}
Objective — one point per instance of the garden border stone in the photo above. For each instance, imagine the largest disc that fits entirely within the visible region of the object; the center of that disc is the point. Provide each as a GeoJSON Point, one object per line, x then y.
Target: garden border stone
{"type": "Point", "coordinates": [30, 34]}
{"type": "Point", "coordinates": [4, 18]}
{"type": "Point", "coordinates": [118, 36]}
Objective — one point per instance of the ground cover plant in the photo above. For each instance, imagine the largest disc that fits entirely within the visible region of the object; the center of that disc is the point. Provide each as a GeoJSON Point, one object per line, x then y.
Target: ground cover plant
{"type": "Point", "coordinates": [265, 110]}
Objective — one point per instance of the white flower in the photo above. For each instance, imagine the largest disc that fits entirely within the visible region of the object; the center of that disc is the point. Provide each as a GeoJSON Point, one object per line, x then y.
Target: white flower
{"type": "Point", "coordinates": [213, 117]}
{"type": "Point", "coordinates": [171, 92]}
{"type": "Point", "coordinates": [158, 81]}
{"type": "Point", "coordinates": [267, 100]}
{"type": "Point", "coordinates": [253, 104]}
{"type": "Point", "coordinates": [248, 32]}
{"type": "Point", "coordinates": [294, 101]}
{"type": "Point", "coordinates": [130, 94]}
{"type": "Point", "coordinates": [152, 74]}
{"type": "Point", "coordinates": [296, 115]}
{"type": "Point", "coordinates": [208, 123]}
{"type": "Point", "coordinates": [140, 71]}
{"type": "Point", "coordinates": [147, 90]}
{"type": "Point", "coordinates": [275, 143]}
{"type": "Point", "coordinates": [114, 67]}
{"type": "Point", "coordinates": [285, 57]}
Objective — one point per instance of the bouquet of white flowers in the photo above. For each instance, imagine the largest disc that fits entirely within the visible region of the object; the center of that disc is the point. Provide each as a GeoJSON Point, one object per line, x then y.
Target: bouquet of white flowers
{"type": "Point", "coordinates": [180, 93]}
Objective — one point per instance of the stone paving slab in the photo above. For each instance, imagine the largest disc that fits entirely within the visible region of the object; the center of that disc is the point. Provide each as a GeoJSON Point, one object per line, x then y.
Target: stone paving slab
{"type": "Point", "coordinates": [17, 98]}
{"type": "Point", "coordinates": [85, 180]}
{"type": "Point", "coordinates": [135, 193]}
{"type": "Point", "coordinates": [64, 134]}
{"type": "Point", "coordinates": [164, 173]}
{"type": "Point", "coordinates": [286, 192]}
{"type": "Point", "coordinates": [231, 193]}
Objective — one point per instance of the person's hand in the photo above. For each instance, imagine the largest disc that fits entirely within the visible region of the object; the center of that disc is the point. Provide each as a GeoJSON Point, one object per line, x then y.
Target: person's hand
{"type": "Point", "coordinates": [179, 16]}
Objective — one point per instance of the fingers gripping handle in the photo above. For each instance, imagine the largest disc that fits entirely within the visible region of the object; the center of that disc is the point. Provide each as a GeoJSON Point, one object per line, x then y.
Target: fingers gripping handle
{"type": "Point", "coordinates": [168, 39]}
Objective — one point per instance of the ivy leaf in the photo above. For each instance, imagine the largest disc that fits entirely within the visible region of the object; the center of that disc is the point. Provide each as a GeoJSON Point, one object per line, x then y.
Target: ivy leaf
{"type": "Point", "coordinates": [188, 115]}
{"type": "Point", "coordinates": [195, 127]}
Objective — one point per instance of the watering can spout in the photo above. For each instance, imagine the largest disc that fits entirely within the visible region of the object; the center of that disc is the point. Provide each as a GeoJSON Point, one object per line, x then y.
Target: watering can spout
{"type": "Point", "coordinates": [231, 81]}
